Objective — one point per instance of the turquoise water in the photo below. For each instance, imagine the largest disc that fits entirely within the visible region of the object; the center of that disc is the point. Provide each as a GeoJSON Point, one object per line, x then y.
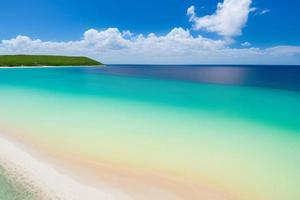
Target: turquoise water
{"type": "Point", "coordinates": [239, 139]}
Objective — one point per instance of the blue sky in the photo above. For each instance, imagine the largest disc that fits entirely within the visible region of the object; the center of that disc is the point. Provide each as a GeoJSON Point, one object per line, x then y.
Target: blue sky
{"type": "Point", "coordinates": [268, 24]}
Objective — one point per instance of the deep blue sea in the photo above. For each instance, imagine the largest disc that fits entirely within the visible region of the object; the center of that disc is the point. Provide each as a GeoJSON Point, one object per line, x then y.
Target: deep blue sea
{"type": "Point", "coordinates": [277, 76]}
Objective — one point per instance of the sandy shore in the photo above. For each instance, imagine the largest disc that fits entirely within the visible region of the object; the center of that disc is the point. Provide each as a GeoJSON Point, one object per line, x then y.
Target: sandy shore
{"type": "Point", "coordinates": [58, 176]}
{"type": "Point", "coordinates": [41, 181]}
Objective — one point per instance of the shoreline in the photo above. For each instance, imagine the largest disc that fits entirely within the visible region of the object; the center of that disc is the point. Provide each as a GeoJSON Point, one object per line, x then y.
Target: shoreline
{"type": "Point", "coordinates": [41, 181]}
{"type": "Point", "coordinates": [127, 183]}
{"type": "Point", "coordinates": [42, 66]}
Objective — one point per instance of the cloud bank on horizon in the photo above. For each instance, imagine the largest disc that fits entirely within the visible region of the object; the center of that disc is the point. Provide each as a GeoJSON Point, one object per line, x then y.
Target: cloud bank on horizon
{"type": "Point", "coordinates": [179, 46]}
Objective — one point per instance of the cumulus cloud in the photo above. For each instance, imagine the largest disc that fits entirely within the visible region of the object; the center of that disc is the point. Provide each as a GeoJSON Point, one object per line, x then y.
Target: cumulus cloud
{"type": "Point", "coordinates": [178, 46]}
{"type": "Point", "coordinates": [228, 20]}
{"type": "Point", "coordinates": [113, 42]}
{"type": "Point", "coordinates": [246, 44]}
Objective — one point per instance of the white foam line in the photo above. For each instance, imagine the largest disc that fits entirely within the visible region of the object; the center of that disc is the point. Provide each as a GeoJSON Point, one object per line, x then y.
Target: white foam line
{"type": "Point", "coordinates": [23, 168]}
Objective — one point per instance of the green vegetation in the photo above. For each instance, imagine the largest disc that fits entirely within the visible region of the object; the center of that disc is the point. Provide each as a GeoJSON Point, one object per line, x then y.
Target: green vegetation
{"type": "Point", "coordinates": [45, 60]}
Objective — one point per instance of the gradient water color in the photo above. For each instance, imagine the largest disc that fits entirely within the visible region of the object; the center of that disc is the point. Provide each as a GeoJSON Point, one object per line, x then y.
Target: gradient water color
{"type": "Point", "coordinates": [223, 137]}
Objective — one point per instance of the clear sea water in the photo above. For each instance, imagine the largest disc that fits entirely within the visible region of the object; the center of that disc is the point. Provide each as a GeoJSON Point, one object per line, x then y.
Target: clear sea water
{"type": "Point", "coordinates": [236, 128]}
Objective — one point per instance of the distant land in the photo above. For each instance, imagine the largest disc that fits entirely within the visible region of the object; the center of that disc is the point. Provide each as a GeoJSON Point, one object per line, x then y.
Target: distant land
{"type": "Point", "coordinates": [45, 60]}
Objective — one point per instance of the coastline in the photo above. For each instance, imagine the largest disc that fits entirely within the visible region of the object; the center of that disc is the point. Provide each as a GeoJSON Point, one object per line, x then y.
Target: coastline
{"type": "Point", "coordinates": [67, 66]}
{"type": "Point", "coordinates": [41, 181]}
{"type": "Point", "coordinates": [89, 179]}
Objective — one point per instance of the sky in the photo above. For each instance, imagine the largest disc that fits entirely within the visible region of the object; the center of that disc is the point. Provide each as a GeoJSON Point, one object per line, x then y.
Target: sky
{"type": "Point", "coordinates": [155, 32]}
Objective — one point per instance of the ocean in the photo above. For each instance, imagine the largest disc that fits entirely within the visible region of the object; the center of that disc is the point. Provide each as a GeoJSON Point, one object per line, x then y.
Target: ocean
{"type": "Point", "coordinates": [190, 132]}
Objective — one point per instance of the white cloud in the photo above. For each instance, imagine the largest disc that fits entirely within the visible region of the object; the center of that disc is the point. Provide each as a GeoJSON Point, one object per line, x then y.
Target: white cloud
{"type": "Point", "coordinates": [228, 20]}
{"type": "Point", "coordinates": [265, 11]}
{"type": "Point", "coordinates": [259, 11]}
{"type": "Point", "coordinates": [178, 46]}
{"type": "Point", "coordinates": [246, 44]}
{"type": "Point", "coordinates": [283, 50]}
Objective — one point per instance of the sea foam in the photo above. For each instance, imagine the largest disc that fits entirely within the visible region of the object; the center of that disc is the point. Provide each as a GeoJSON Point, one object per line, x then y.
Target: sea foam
{"type": "Point", "coordinates": [28, 178]}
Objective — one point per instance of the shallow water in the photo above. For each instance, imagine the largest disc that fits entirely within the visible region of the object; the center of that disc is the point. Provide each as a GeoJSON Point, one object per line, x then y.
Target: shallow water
{"type": "Point", "coordinates": [233, 129]}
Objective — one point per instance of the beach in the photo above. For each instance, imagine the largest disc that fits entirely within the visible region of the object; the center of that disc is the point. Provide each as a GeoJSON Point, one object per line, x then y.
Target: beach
{"type": "Point", "coordinates": [99, 136]}
{"type": "Point", "coordinates": [49, 175]}
{"type": "Point", "coordinates": [149, 100]}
